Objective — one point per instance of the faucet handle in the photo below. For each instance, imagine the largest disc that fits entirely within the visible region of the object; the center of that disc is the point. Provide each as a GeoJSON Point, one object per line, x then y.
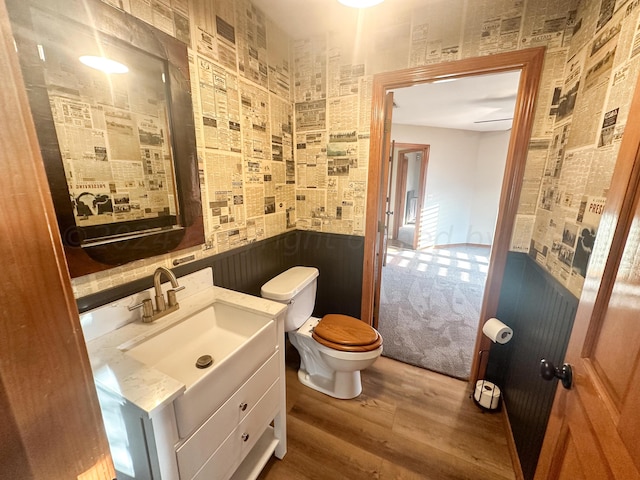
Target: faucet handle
{"type": "Point", "coordinates": [147, 309]}
{"type": "Point", "coordinates": [171, 296]}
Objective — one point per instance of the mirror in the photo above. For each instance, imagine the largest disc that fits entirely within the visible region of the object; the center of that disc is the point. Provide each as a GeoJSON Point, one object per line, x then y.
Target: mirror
{"type": "Point", "coordinates": [110, 97]}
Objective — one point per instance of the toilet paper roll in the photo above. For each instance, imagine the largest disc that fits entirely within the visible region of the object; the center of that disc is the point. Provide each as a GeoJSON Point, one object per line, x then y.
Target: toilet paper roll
{"type": "Point", "coordinates": [487, 394]}
{"type": "Point", "coordinates": [497, 331]}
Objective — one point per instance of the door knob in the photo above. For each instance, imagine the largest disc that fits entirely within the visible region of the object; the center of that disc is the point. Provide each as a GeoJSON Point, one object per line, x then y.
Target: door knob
{"type": "Point", "coordinates": [548, 371]}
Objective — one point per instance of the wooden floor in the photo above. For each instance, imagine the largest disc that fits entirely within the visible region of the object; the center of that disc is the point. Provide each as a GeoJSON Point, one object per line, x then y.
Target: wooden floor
{"type": "Point", "coordinates": [408, 423]}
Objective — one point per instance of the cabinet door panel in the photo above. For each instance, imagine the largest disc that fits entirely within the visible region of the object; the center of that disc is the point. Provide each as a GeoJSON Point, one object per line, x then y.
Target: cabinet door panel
{"type": "Point", "coordinates": [228, 457]}
{"type": "Point", "coordinates": [193, 453]}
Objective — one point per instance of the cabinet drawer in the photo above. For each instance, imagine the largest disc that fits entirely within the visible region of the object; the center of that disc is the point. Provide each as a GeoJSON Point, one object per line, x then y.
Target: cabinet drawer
{"type": "Point", "coordinates": [195, 451]}
{"type": "Point", "coordinates": [254, 425]}
{"type": "Point", "coordinates": [231, 453]}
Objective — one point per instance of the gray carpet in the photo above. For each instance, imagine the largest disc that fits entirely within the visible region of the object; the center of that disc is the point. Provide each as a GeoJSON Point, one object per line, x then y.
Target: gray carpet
{"type": "Point", "coordinates": [430, 306]}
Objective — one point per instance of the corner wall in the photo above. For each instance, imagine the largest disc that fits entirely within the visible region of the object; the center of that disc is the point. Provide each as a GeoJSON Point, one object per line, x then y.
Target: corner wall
{"type": "Point", "coordinates": [588, 77]}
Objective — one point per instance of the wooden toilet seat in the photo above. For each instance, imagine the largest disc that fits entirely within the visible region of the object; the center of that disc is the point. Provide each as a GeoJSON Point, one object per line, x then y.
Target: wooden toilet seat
{"type": "Point", "coordinates": [346, 334]}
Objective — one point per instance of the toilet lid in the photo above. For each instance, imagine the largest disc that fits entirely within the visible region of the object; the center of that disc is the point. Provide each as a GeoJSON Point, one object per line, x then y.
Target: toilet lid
{"type": "Point", "coordinates": [345, 333]}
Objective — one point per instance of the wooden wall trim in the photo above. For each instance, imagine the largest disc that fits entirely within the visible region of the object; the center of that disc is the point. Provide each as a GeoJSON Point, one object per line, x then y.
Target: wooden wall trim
{"type": "Point", "coordinates": [399, 204]}
{"type": "Point", "coordinates": [54, 428]}
{"type": "Point", "coordinates": [511, 443]}
{"type": "Point", "coordinates": [422, 194]}
{"type": "Point", "coordinates": [612, 235]}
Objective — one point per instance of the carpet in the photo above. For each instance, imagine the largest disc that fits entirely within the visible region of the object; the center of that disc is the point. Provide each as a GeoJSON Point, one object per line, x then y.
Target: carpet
{"type": "Point", "coordinates": [430, 306]}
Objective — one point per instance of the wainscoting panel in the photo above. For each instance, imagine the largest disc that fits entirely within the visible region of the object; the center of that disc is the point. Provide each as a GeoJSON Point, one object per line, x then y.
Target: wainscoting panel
{"type": "Point", "coordinates": [247, 268]}
{"type": "Point", "coordinates": [339, 259]}
{"type": "Point", "coordinates": [244, 269]}
{"type": "Point", "coordinates": [541, 312]}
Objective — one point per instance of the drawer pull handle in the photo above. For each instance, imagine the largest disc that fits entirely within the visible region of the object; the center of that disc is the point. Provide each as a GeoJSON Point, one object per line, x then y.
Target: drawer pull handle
{"type": "Point", "coordinates": [243, 406]}
{"type": "Point", "coordinates": [245, 437]}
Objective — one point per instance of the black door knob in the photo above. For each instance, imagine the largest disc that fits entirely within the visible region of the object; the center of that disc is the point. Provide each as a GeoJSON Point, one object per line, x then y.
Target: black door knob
{"type": "Point", "coordinates": [548, 371]}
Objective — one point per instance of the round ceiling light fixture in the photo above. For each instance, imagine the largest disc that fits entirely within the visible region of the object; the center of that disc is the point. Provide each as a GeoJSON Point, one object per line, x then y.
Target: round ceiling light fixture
{"type": "Point", "coordinates": [360, 3]}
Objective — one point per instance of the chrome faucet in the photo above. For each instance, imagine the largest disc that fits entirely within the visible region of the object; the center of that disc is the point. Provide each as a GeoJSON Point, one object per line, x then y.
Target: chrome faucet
{"type": "Point", "coordinates": [149, 314]}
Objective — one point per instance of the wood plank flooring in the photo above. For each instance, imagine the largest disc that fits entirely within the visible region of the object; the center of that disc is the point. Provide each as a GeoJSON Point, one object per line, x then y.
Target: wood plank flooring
{"type": "Point", "coordinates": [409, 423]}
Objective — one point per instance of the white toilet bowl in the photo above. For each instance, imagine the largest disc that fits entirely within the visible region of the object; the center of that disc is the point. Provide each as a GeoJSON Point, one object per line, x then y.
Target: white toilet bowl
{"type": "Point", "coordinates": [343, 346]}
{"type": "Point", "coordinates": [327, 370]}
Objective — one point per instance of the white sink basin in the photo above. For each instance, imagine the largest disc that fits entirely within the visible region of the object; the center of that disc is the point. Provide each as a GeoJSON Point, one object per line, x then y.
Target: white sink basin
{"type": "Point", "coordinates": [239, 341]}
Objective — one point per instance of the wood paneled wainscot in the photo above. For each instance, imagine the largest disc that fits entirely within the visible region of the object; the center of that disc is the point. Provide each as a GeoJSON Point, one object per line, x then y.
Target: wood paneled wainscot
{"type": "Point", "coordinates": [166, 424]}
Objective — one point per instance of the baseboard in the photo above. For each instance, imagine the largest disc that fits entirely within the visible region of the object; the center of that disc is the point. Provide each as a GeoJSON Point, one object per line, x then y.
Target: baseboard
{"type": "Point", "coordinates": [511, 443]}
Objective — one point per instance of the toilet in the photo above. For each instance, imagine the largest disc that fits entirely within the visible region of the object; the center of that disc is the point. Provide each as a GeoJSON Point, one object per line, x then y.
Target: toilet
{"type": "Point", "coordinates": [334, 349]}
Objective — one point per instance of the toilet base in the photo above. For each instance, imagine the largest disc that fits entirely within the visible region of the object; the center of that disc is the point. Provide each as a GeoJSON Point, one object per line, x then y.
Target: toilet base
{"type": "Point", "coordinates": [343, 385]}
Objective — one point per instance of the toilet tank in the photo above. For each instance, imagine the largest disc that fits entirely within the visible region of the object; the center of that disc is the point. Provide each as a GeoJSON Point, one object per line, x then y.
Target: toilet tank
{"type": "Point", "coordinates": [297, 288]}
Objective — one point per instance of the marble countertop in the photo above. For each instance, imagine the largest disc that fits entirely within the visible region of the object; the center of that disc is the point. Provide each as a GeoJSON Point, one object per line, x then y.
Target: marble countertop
{"type": "Point", "coordinates": [146, 387]}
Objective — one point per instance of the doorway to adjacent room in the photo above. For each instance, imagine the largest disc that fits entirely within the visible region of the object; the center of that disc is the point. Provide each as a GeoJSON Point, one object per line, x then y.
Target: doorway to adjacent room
{"type": "Point", "coordinates": [528, 63]}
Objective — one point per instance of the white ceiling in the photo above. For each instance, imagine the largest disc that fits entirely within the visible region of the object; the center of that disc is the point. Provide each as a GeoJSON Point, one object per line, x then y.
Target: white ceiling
{"type": "Point", "coordinates": [458, 104]}
{"type": "Point", "coordinates": [481, 103]}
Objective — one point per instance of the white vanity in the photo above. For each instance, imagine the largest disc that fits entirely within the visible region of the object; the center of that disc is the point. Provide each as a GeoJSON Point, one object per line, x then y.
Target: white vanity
{"type": "Point", "coordinates": [196, 394]}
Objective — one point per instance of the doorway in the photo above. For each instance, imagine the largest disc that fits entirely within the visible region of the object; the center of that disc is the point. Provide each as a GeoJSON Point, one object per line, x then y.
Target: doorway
{"type": "Point", "coordinates": [411, 177]}
{"type": "Point", "coordinates": [432, 290]}
{"type": "Point", "coordinates": [529, 63]}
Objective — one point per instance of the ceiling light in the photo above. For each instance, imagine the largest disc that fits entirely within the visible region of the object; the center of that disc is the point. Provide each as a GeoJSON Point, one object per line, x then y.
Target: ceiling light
{"type": "Point", "coordinates": [103, 64]}
{"type": "Point", "coordinates": [360, 3]}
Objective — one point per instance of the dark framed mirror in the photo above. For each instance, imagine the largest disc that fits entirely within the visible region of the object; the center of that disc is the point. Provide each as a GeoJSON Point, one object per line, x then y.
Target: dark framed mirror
{"type": "Point", "coordinates": [110, 97]}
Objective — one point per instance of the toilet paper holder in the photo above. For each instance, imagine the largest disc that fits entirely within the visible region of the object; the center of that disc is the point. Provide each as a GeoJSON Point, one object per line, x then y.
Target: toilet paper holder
{"type": "Point", "coordinates": [486, 394]}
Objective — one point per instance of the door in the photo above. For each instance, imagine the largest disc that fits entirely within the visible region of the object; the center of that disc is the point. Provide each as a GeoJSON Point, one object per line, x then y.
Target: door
{"type": "Point", "coordinates": [594, 430]}
{"type": "Point", "coordinates": [383, 203]}
{"type": "Point", "coordinates": [50, 422]}
{"type": "Point", "coordinates": [422, 192]}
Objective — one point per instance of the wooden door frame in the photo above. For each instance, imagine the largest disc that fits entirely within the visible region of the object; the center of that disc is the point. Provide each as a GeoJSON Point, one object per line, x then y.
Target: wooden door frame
{"type": "Point", "coordinates": [529, 63]}
{"type": "Point", "coordinates": [401, 184]}
{"type": "Point", "coordinates": [399, 203]}
{"type": "Point", "coordinates": [51, 422]}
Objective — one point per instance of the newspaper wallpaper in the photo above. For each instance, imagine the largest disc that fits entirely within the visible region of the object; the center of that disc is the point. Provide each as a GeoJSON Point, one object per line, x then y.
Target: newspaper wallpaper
{"type": "Point", "coordinates": [283, 124]}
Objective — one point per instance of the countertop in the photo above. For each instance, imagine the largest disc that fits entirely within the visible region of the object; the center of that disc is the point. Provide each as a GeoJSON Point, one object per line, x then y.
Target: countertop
{"type": "Point", "coordinates": [146, 387]}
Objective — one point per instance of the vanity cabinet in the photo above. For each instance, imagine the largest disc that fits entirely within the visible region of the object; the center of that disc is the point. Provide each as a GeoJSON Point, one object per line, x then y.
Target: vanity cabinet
{"type": "Point", "coordinates": [235, 441]}
{"type": "Point", "coordinates": [216, 449]}
{"type": "Point", "coordinates": [231, 425]}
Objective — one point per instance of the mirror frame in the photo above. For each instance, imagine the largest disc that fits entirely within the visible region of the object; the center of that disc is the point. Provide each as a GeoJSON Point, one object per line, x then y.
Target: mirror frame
{"type": "Point", "coordinates": [126, 30]}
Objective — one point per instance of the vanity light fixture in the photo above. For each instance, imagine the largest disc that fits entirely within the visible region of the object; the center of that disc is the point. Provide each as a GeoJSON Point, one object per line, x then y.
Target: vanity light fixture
{"type": "Point", "coordinates": [103, 64]}
{"type": "Point", "coordinates": [360, 3]}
